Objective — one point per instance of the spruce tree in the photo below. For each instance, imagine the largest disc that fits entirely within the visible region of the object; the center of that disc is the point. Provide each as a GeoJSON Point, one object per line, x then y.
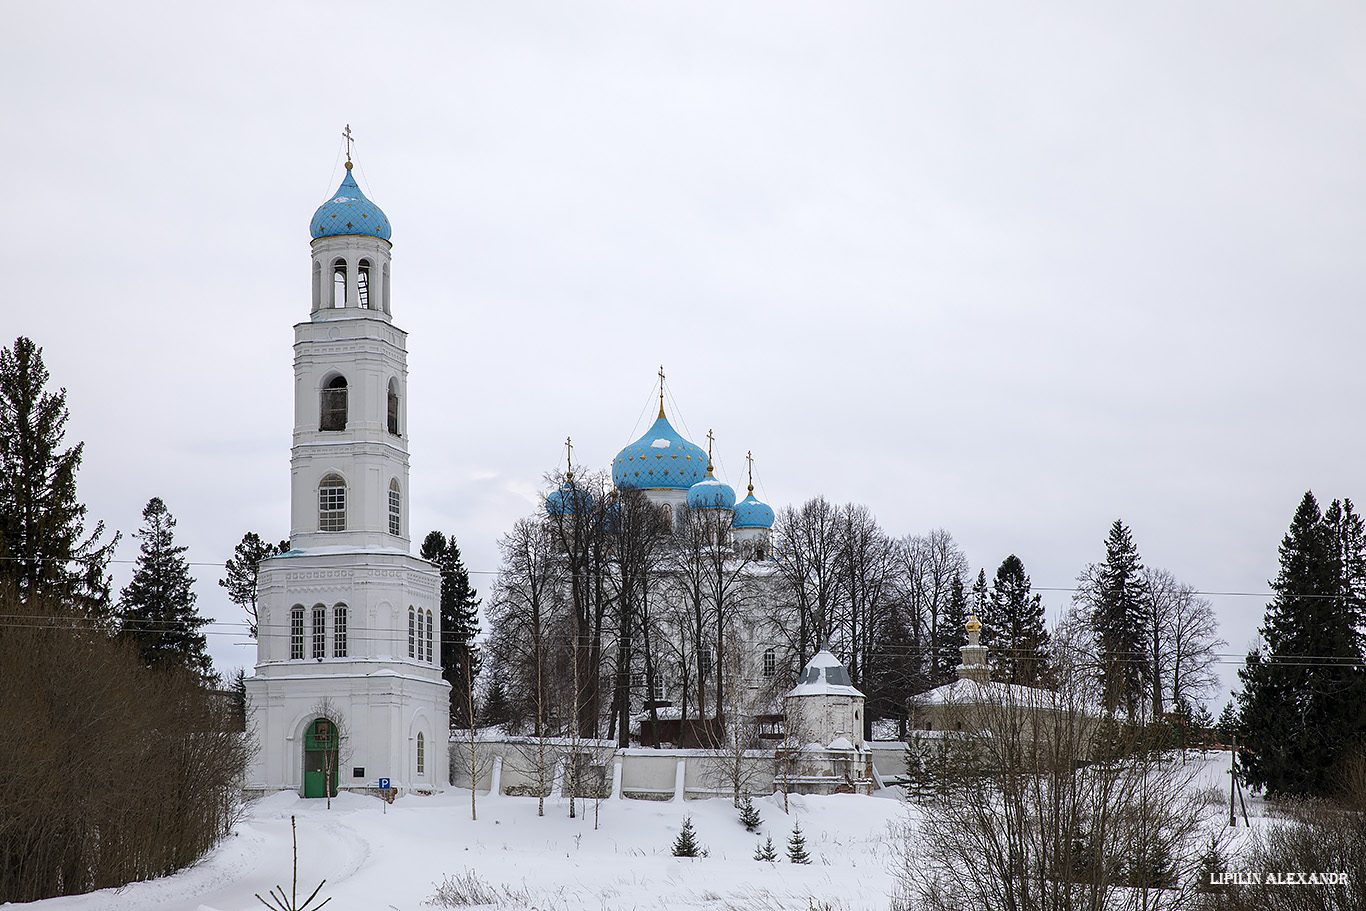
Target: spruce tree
{"type": "Point", "coordinates": [749, 817]}
{"type": "Point", "coordinates": [685, 845]}
{"type": "Point", "coordinates": [1019, 643]}
{"type": "Point", "coordinates": [44, 548]}
{"type": "Point", "coordinates": [156, 609]}
{"type": "Point", "coordinates": [459, 623]}
{"type": "Point", "coordinates": [953, 633]}
{"type": "Point", "coordinates": [1113, 593]}
{"type": "Point", "coordinates": [766, 851]}
{"type": "Point", "coordinates": [243, 567]}
{"type": "Point", "coordinates": [1227, 725]}
{"type": "Point", "coordinates": [495, 708]}
{"type": "Point", "coordinates": [1303, 704]}
{"type": "Point", "coordinates": [796, 846]}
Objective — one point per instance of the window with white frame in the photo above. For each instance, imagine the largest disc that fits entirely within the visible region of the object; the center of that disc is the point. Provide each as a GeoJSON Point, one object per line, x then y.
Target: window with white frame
{"type": "Point", "coordinates": [421, 754]}
{"type": "Point", "coordinates": [296, 631]}
{"type": "Point", "coordinates": [339, 631]}
{"type": "Point", "coordinates": [332, 503]}
{"type": "Point", "coordinates": [395, 508]}
{"type": "Point", "coordinates": [420, 619]}
{"type": "Point", "coordinates": [770, 662]}
{"type": "Point", "coordinates": [412, 630]}
{"type": "Point", "coordinates": [319, 630]}
{"type": "Point", "coordinates": [430, 627]}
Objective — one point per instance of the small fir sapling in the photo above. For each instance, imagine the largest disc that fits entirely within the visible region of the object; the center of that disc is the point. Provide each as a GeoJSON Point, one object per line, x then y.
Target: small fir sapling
{"type": "Point", "coordinates": [766, 851]}
{"type": "Point", "coordinates": [685, 845]}
{"type": "Point", "coordinates": [749, 817]}
{"type": "Point", "coordinates": [796, 846]}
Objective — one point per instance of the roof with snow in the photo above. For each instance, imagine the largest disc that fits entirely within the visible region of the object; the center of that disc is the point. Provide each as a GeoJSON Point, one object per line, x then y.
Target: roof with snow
{"type": "Point", "coordinates": [824, 676]}
{"type": "Point", "coordinates": [710, 493]}
{"type": "Point", "coordinates": [349, 212]}
{"type": "Point", "coordinates": [970, 692]}
{"type": "Point", "coordinates": [660, 460]}
{"type": "Point", "coordinates": [750, 513]}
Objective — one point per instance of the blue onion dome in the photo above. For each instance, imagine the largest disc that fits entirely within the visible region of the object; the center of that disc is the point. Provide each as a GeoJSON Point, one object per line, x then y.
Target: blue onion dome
{"type": "Point", "coordinates": [659, 460]}
{"type": "Point", "coordinates": [349, 212]}
{"type": "Point", "coordinates": [750, 513]}
{"type": "Point", "coordinates": [569, 500]}
{"type": "Point", "coordinates": [709, 493]}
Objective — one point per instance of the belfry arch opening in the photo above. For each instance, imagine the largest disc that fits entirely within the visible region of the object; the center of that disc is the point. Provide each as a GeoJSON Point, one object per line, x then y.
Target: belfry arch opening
{"type": "Point", "coordinates": [363, 283]}
{"type": "Point", "coordinates": [393, 406]}
{"type": "Point", "coordinates": [332, 406]}
{"type": "Point", "coordinates": [338, 292]}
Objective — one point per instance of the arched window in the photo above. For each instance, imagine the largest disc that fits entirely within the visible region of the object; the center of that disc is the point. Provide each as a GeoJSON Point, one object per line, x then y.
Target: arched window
{"type": "Point", "coordinates": [338, 284]}
{"type": "Point", "coordinates": [332, 503]}
{"type": "Point", "coordinates": [393, 406]}
{"type": "Point", "coordinates": [666, 515]}
{"type": "Point", "coordinates": [317, 285]}
{"type": "Point", "coordinates": [430, 626]}
{"type": "Point", "coordinates": [412, 630]}
{"type": "Point", "coordinates": [319, 630]}
{"type": "Point", "coordinates": [339, 631]}
{"type": "Point", "coordinates": [363, 283]}
{"type": "Point", "coordinates": [332, 405]}
{"type": "Point", "coordinates": [395, 508]}
{"type": "Point", "coordinates": [384, 288]}
{"type": "Point", "coordinates": [420, 618]}
{"type": "Point", "coordinates": [421, 754]}
{"type": "Point", "coordinates": [296, 631]}
{"type": "Point", "coordinates": [770, 662]}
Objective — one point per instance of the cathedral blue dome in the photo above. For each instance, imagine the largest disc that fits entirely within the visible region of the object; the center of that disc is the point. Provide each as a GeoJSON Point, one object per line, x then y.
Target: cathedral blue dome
{"type": "Point", "coordinates": [750, 513]}
{"type": "Point", "coordinates": [709, 493]}
{"type": "Point", "coordinates": [659, 460]}
{"type": "Point", "coordinates": [349, 212]}
{"type": "Point", "coordinates": [568, 500]}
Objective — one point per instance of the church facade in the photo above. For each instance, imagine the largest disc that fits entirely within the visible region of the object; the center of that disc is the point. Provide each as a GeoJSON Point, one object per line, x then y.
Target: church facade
{"type": "Point", "coordinates": [347, 691]}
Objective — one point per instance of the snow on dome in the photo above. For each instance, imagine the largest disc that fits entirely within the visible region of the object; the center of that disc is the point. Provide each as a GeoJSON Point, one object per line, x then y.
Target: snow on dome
{"type": "Point", "coordinates": [660, 460]}
{"type": "Point", "coordinates": [750, 513]}
{"type": "Point", "coordinates": [709, 493]}
{"type": "Point", "coordinates": [349, 212]}
{"type": "Point", "coordinates": [824, 676]}
{"type": "Point", "coordinates": [840, 743]}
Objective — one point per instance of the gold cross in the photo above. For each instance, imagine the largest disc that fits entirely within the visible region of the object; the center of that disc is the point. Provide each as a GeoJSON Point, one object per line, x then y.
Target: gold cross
{"type": "Point", "coordinates": [569, 458]}
{"type": "Point", "coordinates": [749, 464]}
{"type": "Point", "coordinates": [661, 390]}
{"type": "Point", "coordinates": [347, 133]}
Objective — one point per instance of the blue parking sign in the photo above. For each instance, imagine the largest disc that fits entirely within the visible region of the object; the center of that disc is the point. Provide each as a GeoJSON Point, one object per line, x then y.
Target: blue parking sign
{"type": "Point", "coordinates": [384, 782]}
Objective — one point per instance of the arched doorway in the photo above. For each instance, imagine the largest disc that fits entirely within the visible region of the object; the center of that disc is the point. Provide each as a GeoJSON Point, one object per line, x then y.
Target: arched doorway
{"type": "Point", "coordinates": [320, 759]}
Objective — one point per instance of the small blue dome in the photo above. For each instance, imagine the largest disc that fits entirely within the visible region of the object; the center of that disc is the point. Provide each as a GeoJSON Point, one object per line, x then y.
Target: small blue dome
{"type": "Point", "coordinates": [659, 460]}
{"type": "Point", "coordinates": [750, 513]}
{"type": "Point", "coordinates": [568, 500]}
{"type": "Point", "coordinates": [709, 493]}
{"type": "Point", "coordinates": [349, 212]}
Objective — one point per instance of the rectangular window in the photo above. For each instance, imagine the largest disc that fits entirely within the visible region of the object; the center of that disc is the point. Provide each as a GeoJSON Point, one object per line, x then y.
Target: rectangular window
{"type": "Point", "coordinates": [770, 663]}
{"type": "Point", "coordinates": [339, 631]}
{"type": "Point", "coordinates": [319, 631]}
{"type": "Point", "coordinates": [421, 754]}
{"type": "Point", "coordinates": [659, 687]}
{"type": "Point", "coordinates": [638, 681]}
{"type": "Point", "coordinates": [430, 625]}
{"type": "Point", "coordinates": [411, 631]}
{"type": "Point", "coordinates": [332, 508]}
{"type": "Point", "coordinates": [296, 633]}
{"type": "Point", "coordinates": [395, 512]}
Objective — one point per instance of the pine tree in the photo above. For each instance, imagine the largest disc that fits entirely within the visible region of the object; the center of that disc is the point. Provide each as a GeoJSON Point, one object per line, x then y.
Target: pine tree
{"type": "Point", "coordinates": [44, 549]}
{"type": "Point", "coordinates": [685, 845]}
{"type": "Point", "coordinates": [243, 567]}
{"type": "Point", "coordinates": [459, 624]}
{"type": "Point", "coordinates": [495, 708]}
{"type": "Point", "coordinates": [1303, 703]}
{"type": "Point", "coordinates": [156, 609]}
{"type": "Point", "coordinates": [749, 817]}
{"type": "Point", "coordinates": [766, 851]}
{"type": "Point", "coordinates": [1019, 652]}
{"type": "Point", "coordinates": [796, 846]}
{"type": "Point", "coordinates": [1113, 592]}
{"type": "Point", "coordinates": [1227, 725]}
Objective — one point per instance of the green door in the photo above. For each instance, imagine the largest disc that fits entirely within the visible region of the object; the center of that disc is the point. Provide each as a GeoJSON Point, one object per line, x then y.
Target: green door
{"type": "Point", "coordinates": [320, 758]}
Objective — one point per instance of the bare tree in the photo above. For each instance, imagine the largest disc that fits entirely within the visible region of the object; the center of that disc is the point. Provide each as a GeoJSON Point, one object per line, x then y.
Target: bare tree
{"type": "Point", "coordinates": [807, 547]}
{"type": "Point", "coordinates": [335, 738]}
{"type": "Point", "coordinates": [1182, 635]}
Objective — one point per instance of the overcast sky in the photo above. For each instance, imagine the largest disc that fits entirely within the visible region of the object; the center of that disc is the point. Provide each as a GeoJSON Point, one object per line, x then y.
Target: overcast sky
{"type": "Point", "coordinates": [1011, 269]}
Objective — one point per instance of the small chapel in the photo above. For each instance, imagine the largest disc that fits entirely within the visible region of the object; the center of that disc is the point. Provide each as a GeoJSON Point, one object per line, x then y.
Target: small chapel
{"type": "Point", "coordinates": [347, 691]}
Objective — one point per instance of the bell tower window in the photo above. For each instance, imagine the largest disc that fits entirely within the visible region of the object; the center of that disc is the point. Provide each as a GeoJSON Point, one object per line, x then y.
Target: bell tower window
{"type": "Point", "coordinates": [319, 631]}
{"type": "Point", "coordinates": [339, 631]}
{"type": "Point", "coordinates": [363, 283]}
{"type": "Point", "coordinates": [332, 504]}
{"type": "Point", "coordinates": [317, 285]}
{"type": "Point", "coordinates": [338, 298]}
{"type": "Point", "coordinates": [395, 508]}
{"type": "Point", "coordinates": [333, 404]}
{"type": "Point", "coordinates": [296, 631]}
{"type": "Point", "coordinates": [393, 406]}
{"type": "Point", "coordinates": [384, 287]}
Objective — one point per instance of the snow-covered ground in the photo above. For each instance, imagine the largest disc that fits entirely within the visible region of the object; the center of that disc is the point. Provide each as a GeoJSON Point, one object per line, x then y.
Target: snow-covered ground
{"type": "Point", "coordinates": [376, 857]}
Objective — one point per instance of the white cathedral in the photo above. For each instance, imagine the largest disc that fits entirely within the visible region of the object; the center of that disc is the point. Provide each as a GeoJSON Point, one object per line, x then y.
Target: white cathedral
{"type": "Point", "coordinates": [348, 691]}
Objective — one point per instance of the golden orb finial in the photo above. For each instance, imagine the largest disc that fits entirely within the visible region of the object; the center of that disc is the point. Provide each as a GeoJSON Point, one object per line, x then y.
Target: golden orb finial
{"type": "Point", "coordinates": [974, 626]}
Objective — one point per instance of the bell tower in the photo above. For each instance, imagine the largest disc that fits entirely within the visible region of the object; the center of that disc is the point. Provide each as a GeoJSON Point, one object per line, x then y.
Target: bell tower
{"type": "Point", "coordinates": [348, 674]}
